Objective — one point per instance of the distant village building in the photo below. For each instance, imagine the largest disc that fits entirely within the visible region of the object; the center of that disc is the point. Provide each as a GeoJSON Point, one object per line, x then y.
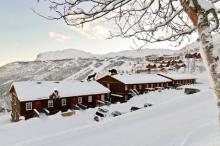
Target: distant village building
{"type": "Point", "coordinates": [193, 55]}
{"type": "Point", "coordinates": [124, 86]}
{"type": "Point", "coordinates": [170, 57]}
{"type": "Point", "coordinates": [30, 98]}
{"type": "Point", "coordinates": [153, 58]}
{"type": "Point", "coordinates": [157, 58]}
{"type": "Point", "coordinates": [179, 79]}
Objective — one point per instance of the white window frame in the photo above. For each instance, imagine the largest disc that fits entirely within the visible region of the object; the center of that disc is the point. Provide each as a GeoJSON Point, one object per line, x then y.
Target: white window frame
{"type": "Point", "coordinates": [89, 98]}
{"type": "Point", "coordinates": [102, 97]}
{"type": "Point", "coordinates": [50, 103]}
{"type": "Point", "coordinates": [63, 102]}
{"type": "Point", "coordinates": [126, 87]}
{"type": "Point", "coordinates": [79, 99]}
{"type": "Point", "coordinates": [28, 106]}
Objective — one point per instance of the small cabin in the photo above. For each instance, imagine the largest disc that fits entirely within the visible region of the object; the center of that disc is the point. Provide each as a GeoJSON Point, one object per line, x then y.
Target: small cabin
{"type": "Point", "coordinates": [125, 86]}
{"type": "Point", "coordinates": [179, 79]}
{"type": "Point", "coordinates": [30, 98]}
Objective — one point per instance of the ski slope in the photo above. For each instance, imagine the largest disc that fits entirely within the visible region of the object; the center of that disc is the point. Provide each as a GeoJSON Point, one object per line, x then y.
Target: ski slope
{"type": "Point", "coordinates": [175, 119]}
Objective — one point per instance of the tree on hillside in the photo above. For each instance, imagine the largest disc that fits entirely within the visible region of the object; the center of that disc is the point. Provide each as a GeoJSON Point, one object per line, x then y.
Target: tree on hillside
{"type": "Point", "coordinates": [151, 21]}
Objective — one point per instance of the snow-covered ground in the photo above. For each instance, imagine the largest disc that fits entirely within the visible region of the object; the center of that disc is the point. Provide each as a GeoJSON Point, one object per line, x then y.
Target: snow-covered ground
{"type": "Point", "coordinates": [175, 119]}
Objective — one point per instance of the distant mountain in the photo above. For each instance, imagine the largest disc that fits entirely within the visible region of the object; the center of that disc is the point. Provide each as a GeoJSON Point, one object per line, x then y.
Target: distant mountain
{"type": "Point", "coordinates": [74, 53]}
{"type": "Point", "coordinates": [63, 54]}
{"type": "Point", "coordinates": [139, 53]}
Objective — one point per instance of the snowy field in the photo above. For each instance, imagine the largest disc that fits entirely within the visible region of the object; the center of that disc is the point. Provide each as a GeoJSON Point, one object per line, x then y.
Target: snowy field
{"type": "Point", "coordinates": [175, 119]}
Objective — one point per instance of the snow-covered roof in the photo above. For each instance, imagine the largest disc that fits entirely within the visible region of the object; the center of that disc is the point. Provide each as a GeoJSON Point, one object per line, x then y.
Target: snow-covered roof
{"type": "Point", "coordinates": [179, 76]}
{"type": "Point", "coordinates": [31, 90]}
{"type": "Point", "coordinates": [140, 78]}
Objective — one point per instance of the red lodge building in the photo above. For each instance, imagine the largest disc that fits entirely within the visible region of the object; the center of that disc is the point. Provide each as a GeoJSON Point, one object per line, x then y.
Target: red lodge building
{"type": "Point", "coordinates": [31, 98]}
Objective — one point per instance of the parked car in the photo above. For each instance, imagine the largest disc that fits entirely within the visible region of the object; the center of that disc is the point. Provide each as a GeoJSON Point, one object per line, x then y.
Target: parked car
{"type": "Point", "coordinates": [148, 104]}
{"type": "Point", "coordinates": [101, 114]}
{"type": "Point", "coordinates": [134, 108]}
{"type": "Point", "coordinates": [116, 113]}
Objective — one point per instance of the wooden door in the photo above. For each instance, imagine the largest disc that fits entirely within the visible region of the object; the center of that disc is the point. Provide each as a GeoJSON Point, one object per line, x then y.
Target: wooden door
{"type": "Point", "coordinates": [74, 101]}
{"type": "Point", "coordinates": [98, 97]}
{"type": "Point", "coordinates": [38, 106]}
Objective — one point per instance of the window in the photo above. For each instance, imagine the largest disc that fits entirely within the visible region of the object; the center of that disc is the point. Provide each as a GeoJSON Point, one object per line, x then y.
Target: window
{"type": "Point", "coordinates": [134, 86]}
{"type": "Point", "coordinates": [28, 106]}
{"type": "Point", "coordinates": [126, 87]}
{"type": "Point", "coordinates": [146, 85]}
{"type": "Point", "coordinates": [90, 99]}
{"type": "Point", "coordinates": [152, 85]}
{"type": "Point", "coordinates": [140, 86]}
{"type": "Point", "coordinates": [103, 97]}
{"type": "Point", "coordinates": [79, 99]}
{"type": "Point", "coordinates": [50, 103]}
{"type": "Point", "coordinates": [63, 101]}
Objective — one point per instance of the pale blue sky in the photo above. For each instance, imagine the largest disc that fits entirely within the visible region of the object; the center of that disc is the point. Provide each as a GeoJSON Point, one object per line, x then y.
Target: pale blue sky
{"type": "Point", "coordinates": [24, 34]}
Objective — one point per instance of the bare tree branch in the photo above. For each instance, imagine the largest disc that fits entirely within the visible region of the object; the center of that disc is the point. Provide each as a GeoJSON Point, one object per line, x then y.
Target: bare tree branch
{"type": "Point", "coordinates": [146, 20]}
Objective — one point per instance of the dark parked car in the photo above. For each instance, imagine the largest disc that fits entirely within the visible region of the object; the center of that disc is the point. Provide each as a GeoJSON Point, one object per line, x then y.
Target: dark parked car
{"type": "Point", "coordinates": [101, 114]}
{"type": "Point", "coordinates": [133, 108]}
{"type": "Point", "coordinates": [148, 104]}
{"type": "Point", "coordinates": [116, 113]}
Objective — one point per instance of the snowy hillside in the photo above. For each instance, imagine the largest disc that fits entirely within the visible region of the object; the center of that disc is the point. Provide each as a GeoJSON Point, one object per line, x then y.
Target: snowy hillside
{"type": "Point", "coordinates": [175, 119]}
{"type": "Point", "coordinates": [66, 69]}
{"type": "Point", "coordinates": [73, 53]}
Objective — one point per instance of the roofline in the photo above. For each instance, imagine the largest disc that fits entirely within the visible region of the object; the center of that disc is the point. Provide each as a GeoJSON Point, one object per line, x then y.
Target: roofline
{"type": "Point", "coordinates": [112, 76]}
{"type": "Point", "coordinates": [175, 79]}
{"type": "Point", "coordinates": [150, 82]}
{"type": "Point", "coordinates": [44, 98]}
{"type": "Point", "coordinates": [12, 85]}
{"type": "Point", "coordinates": [135, 83]}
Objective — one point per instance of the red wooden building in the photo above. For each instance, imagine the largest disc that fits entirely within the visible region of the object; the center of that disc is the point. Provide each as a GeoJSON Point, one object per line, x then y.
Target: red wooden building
{"type": "Point", "coordinates": [30, 98]}
{"type": "Point", "coordinates": [123, 87]}
{"type": "Point", "coordinates": [180, 79]}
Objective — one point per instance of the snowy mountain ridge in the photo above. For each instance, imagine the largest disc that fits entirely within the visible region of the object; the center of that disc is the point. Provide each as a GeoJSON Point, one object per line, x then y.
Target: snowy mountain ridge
{"type": "Point", "coordinates": [63, 54]}
{"type": "Point", "coordinates": [74, 54]}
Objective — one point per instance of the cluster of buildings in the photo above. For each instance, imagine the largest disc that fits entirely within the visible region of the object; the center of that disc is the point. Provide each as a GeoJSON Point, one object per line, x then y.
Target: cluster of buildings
{"type": "Point", "coordinates": [30, 98]}
{"type": "Point", "coordinates": [193, 55]}
{"type": "Point", "coordinates": [161, 64]}
{"type": "Point", "coordinates": [156, 58]}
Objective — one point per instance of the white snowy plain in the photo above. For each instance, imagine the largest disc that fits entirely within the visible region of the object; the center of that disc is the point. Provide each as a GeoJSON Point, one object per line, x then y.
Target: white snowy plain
{"type": "Point", "coordinates": [175, 119]}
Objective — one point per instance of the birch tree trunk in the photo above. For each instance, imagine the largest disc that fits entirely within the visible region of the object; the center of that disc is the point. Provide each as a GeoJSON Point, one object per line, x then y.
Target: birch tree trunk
{"type": "Point", "coordinates": [210, 54]}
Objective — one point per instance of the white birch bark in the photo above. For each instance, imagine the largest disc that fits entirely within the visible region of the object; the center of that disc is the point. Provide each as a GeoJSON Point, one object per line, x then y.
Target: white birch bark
{"type": "Point", "coordinates": [209, 55]}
